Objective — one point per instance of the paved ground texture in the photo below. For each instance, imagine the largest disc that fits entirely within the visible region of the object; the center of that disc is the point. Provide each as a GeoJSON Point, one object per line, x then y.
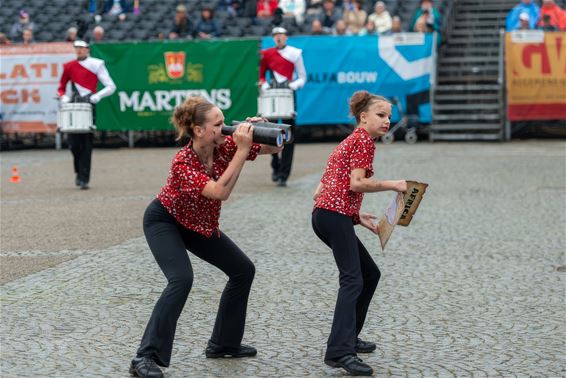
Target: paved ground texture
{"type": "Point", "coordinates": [474, 287]}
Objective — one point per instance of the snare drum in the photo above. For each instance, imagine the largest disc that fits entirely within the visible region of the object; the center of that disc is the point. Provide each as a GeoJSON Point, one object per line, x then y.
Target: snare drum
{"type": "Point", "coordinates": [276, 103]}
{"type": "Point", "coordinates": [75, 118]}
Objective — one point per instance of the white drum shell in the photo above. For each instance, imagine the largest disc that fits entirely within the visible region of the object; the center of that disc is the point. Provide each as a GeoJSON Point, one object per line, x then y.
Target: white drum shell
{"type": "Point", "coordinates": [276, 103]}
{"type": "Point", "coordinates": [75, 118]}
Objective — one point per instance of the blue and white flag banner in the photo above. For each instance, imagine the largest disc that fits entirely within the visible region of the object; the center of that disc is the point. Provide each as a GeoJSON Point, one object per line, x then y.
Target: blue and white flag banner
{"type": "Point", "coordinates": [397, 67]}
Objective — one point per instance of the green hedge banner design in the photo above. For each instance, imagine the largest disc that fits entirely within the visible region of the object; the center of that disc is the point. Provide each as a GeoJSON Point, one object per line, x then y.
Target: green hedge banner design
{"type": "Point", "coordinates": [154, 77]}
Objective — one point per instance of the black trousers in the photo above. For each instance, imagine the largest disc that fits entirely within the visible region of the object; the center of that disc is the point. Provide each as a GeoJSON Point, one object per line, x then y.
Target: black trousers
{"type": "Point", "coordinates": [358, 280]}
{"type": "Point", "coordinates": [81, 147]}
{"type": "Point", "coordinates": [281, 165]}
{"type": "Point", "coordinates": [169, 242]}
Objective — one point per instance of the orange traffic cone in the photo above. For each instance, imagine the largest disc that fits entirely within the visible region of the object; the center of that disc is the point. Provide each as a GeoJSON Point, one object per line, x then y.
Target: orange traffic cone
{"type": "Point", "coordinates": [15, 175]}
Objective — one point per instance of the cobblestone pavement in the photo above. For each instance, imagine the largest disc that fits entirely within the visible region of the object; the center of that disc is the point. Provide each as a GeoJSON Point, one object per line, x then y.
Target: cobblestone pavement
{"type": "Point", "coordinates": [474, 287]}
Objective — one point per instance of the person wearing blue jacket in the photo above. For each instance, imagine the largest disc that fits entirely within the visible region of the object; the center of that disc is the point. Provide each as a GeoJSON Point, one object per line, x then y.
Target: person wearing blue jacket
{"type": "Point", "coordinates": [530, 7]}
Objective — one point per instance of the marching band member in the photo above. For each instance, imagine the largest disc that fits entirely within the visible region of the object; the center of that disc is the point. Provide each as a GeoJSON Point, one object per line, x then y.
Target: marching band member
{"type": "Point", "coordinates": [84, 73]}
{"type": "Point", "coordinates": [184, 216]}
{"type": "Point", "coordinates": [283, 61]}
{"type": "Point", "coordinates": [338, 200]}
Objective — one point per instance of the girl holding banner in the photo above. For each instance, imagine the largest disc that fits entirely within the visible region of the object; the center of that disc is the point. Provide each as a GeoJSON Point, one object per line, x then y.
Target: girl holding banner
{"type": "Point", "coordinates": [338, 199]}
{"type": "Point", "coordinates": [184, 216]}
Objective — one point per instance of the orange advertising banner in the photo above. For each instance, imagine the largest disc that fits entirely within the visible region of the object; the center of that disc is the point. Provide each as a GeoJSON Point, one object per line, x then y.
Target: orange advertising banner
{"type": "Point", "coordinates": [535, 75]}
{"type": "Point", "coordinates": [29, 77]}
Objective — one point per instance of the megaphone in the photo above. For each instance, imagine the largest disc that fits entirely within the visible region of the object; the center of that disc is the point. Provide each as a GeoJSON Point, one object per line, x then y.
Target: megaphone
{"type": "Point", "coordinates": [263, 135]}
{"type": "Point", "coordinates": [287, 129]}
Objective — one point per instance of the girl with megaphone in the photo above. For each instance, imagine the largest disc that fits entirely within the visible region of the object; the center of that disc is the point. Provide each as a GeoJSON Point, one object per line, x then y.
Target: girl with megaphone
{"type": "Point", "coordinates": [184, 216]}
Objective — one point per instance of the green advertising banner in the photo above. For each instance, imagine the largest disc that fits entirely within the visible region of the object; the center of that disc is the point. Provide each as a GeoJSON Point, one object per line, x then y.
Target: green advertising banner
{"type": "Point", "coordinates": [154, 77]}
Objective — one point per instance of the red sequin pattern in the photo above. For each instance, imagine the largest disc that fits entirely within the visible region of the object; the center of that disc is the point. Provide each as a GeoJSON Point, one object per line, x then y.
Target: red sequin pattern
{"type": "Point", "coordinates": [181, 196]}
{"type": "Point", "coordinates": [356, 151]}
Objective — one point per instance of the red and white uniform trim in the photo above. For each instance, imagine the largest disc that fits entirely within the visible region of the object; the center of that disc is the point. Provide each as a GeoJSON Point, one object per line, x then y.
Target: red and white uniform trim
{"type": "Point", "coordinates": [86, 74]}
{"type": "Point", "coordinates": [283, 63]}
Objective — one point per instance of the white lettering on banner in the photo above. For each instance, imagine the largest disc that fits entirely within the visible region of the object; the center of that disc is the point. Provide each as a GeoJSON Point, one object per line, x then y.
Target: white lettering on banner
{"type": "Point", "coordinates": [352, 77]}
{"type": "Point", "coordinates": [158, 101]}
{"type": "Point", "coordinates": [398, 63]}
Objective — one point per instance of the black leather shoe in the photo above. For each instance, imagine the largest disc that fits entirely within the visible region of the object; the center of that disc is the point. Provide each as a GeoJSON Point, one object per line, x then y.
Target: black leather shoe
{"type": "Point", "coordinates": [282, 183]}
{"type": "Point", "coordinates": [364, 346]}
{"type": "Point", "coordinates": [352, 364]}
{"type": "Point", "coordinates": [145, 367]}
{"type": "Point", "coordinates": [274, 177]}
{"type": "Point", "coordinates": [216, 351]}
{"type": "Point", "coordinates": [83, 185]}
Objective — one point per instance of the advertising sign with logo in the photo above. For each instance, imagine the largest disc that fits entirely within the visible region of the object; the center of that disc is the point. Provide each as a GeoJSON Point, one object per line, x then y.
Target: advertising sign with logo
{"type": "Point", "coordinates": [536, 75]}
{"type": "Point", "coordinates": [29, 77]}
{"type": "Point", "coordinates": [395, 67]}
{"type": "Point", "coordinates": [152, 78]}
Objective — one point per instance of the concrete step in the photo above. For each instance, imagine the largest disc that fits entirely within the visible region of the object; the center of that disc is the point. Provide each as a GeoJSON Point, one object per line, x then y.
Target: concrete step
{"type": "Point", "coordinates": [464, 136]}
{"type": "Point", "coordinates": [439, 108]}
{"type": "Point", "coordinates": [465, 97]}
{"type": "Point", "coordinates": [465, 117]}
{"type": "Point", "coordinates": [465, 126]}
{"type": "Point", "coordinates": [468, 87]}
{"type": "Point", "coordinates": [469, 59]}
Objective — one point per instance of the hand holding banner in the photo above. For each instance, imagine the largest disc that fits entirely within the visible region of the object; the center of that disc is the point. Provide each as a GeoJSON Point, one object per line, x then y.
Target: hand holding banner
{"type": "Point", "coordinates": [400, 210]}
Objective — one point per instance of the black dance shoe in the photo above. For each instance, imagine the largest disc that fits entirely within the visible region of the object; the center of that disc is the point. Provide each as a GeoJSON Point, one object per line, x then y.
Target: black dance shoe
{"type": "Point", "coordinates": [364, 346]}
{"type": "Point", "coordinates": [282, 183]}
{"type": "Point", "coordinates": [216, 351]}
{"type": "Point", "coordinates": [83, 185]}
{"type": "Point", "coordinates": [145, 367]}
{"type": "Point", "coordinates": [275, 177]}
{"type": "Point", "coordinates": [352, 364]}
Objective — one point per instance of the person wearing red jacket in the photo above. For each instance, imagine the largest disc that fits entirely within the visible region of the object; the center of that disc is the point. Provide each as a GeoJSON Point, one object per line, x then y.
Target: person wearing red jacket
{"type": "Point", "coordinates": [287, 69]}
{"type": "Point", "coordinates": [557, 15]}
{"type": "Point", "coordinates": [84, 73]}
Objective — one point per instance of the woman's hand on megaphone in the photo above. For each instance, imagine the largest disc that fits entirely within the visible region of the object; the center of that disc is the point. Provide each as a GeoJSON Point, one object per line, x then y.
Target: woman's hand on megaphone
{"type": "Point", "coordinates": [243, 136]}
{"type": "Point", "coordinates": [256, 119]}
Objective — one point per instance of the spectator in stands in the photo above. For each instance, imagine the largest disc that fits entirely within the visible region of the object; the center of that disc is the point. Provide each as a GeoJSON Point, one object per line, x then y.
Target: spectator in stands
{"type": "Point", "coordinates": [340, 28]}
{"type": "Point", "coordinates": [369, 29]}
{"type": "Point", "coordinates": [380, 18]}
{"type": "Point", "coordinates": [354, 16]}
{"type": "Point", "coordinates": [396, 25]}
{"type": "Point", "coordinates": [235, 9]}
{"type": "Point", "coordinates": [266, 8]}
{"type": "Point", "coordinates": [207, 27]}
{"type": "Point", "coordinates": [98, 33]}
{"type": "Point", "coordinates": [71, 34]}
{"type": "Point", "coordinates": [546, 24]}
{"type": "Point", "coordinates": [421, 26]}
{"type": "Point", "coordinates": [27, 37]}
{"type": "Point", "coordinates": [182, 27]}
{"type": "Point", "coordinates": [556, 15]}
{"type": "Point", "coordinates": [94, 7]}
{"type": "Point", "coordinates": [316, 28]}
{"type": "Point", "coordinates": [23, 23]}
{"type": "Point", "coordinates": [529, 7]}
{"type": "Point", "coordinates": [118, 8]}
{"type": "Point", "coordinates": [524, 22]}
{"type": "Point", "coordinates": [328, 16]}
{"type": "Point", "coordinates": [430, 14]}
{"type": "Point", "coordinates": [4, 39]}
{"type": "Point", "coordinates": [293, 9]}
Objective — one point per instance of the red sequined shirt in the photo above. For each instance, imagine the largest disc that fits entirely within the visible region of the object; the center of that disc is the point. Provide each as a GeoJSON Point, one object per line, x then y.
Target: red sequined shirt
{"type": "Point", "coordinates": [356, 151]}
{"type": "Point", "coordinates": [182, 197]}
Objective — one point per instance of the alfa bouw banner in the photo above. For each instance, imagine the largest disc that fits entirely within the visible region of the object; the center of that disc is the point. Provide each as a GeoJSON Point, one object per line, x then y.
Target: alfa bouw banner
{"type": "Point", "coordinates": [397, 67]}
{"type": "Point", "coordinates": [152, 78]}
